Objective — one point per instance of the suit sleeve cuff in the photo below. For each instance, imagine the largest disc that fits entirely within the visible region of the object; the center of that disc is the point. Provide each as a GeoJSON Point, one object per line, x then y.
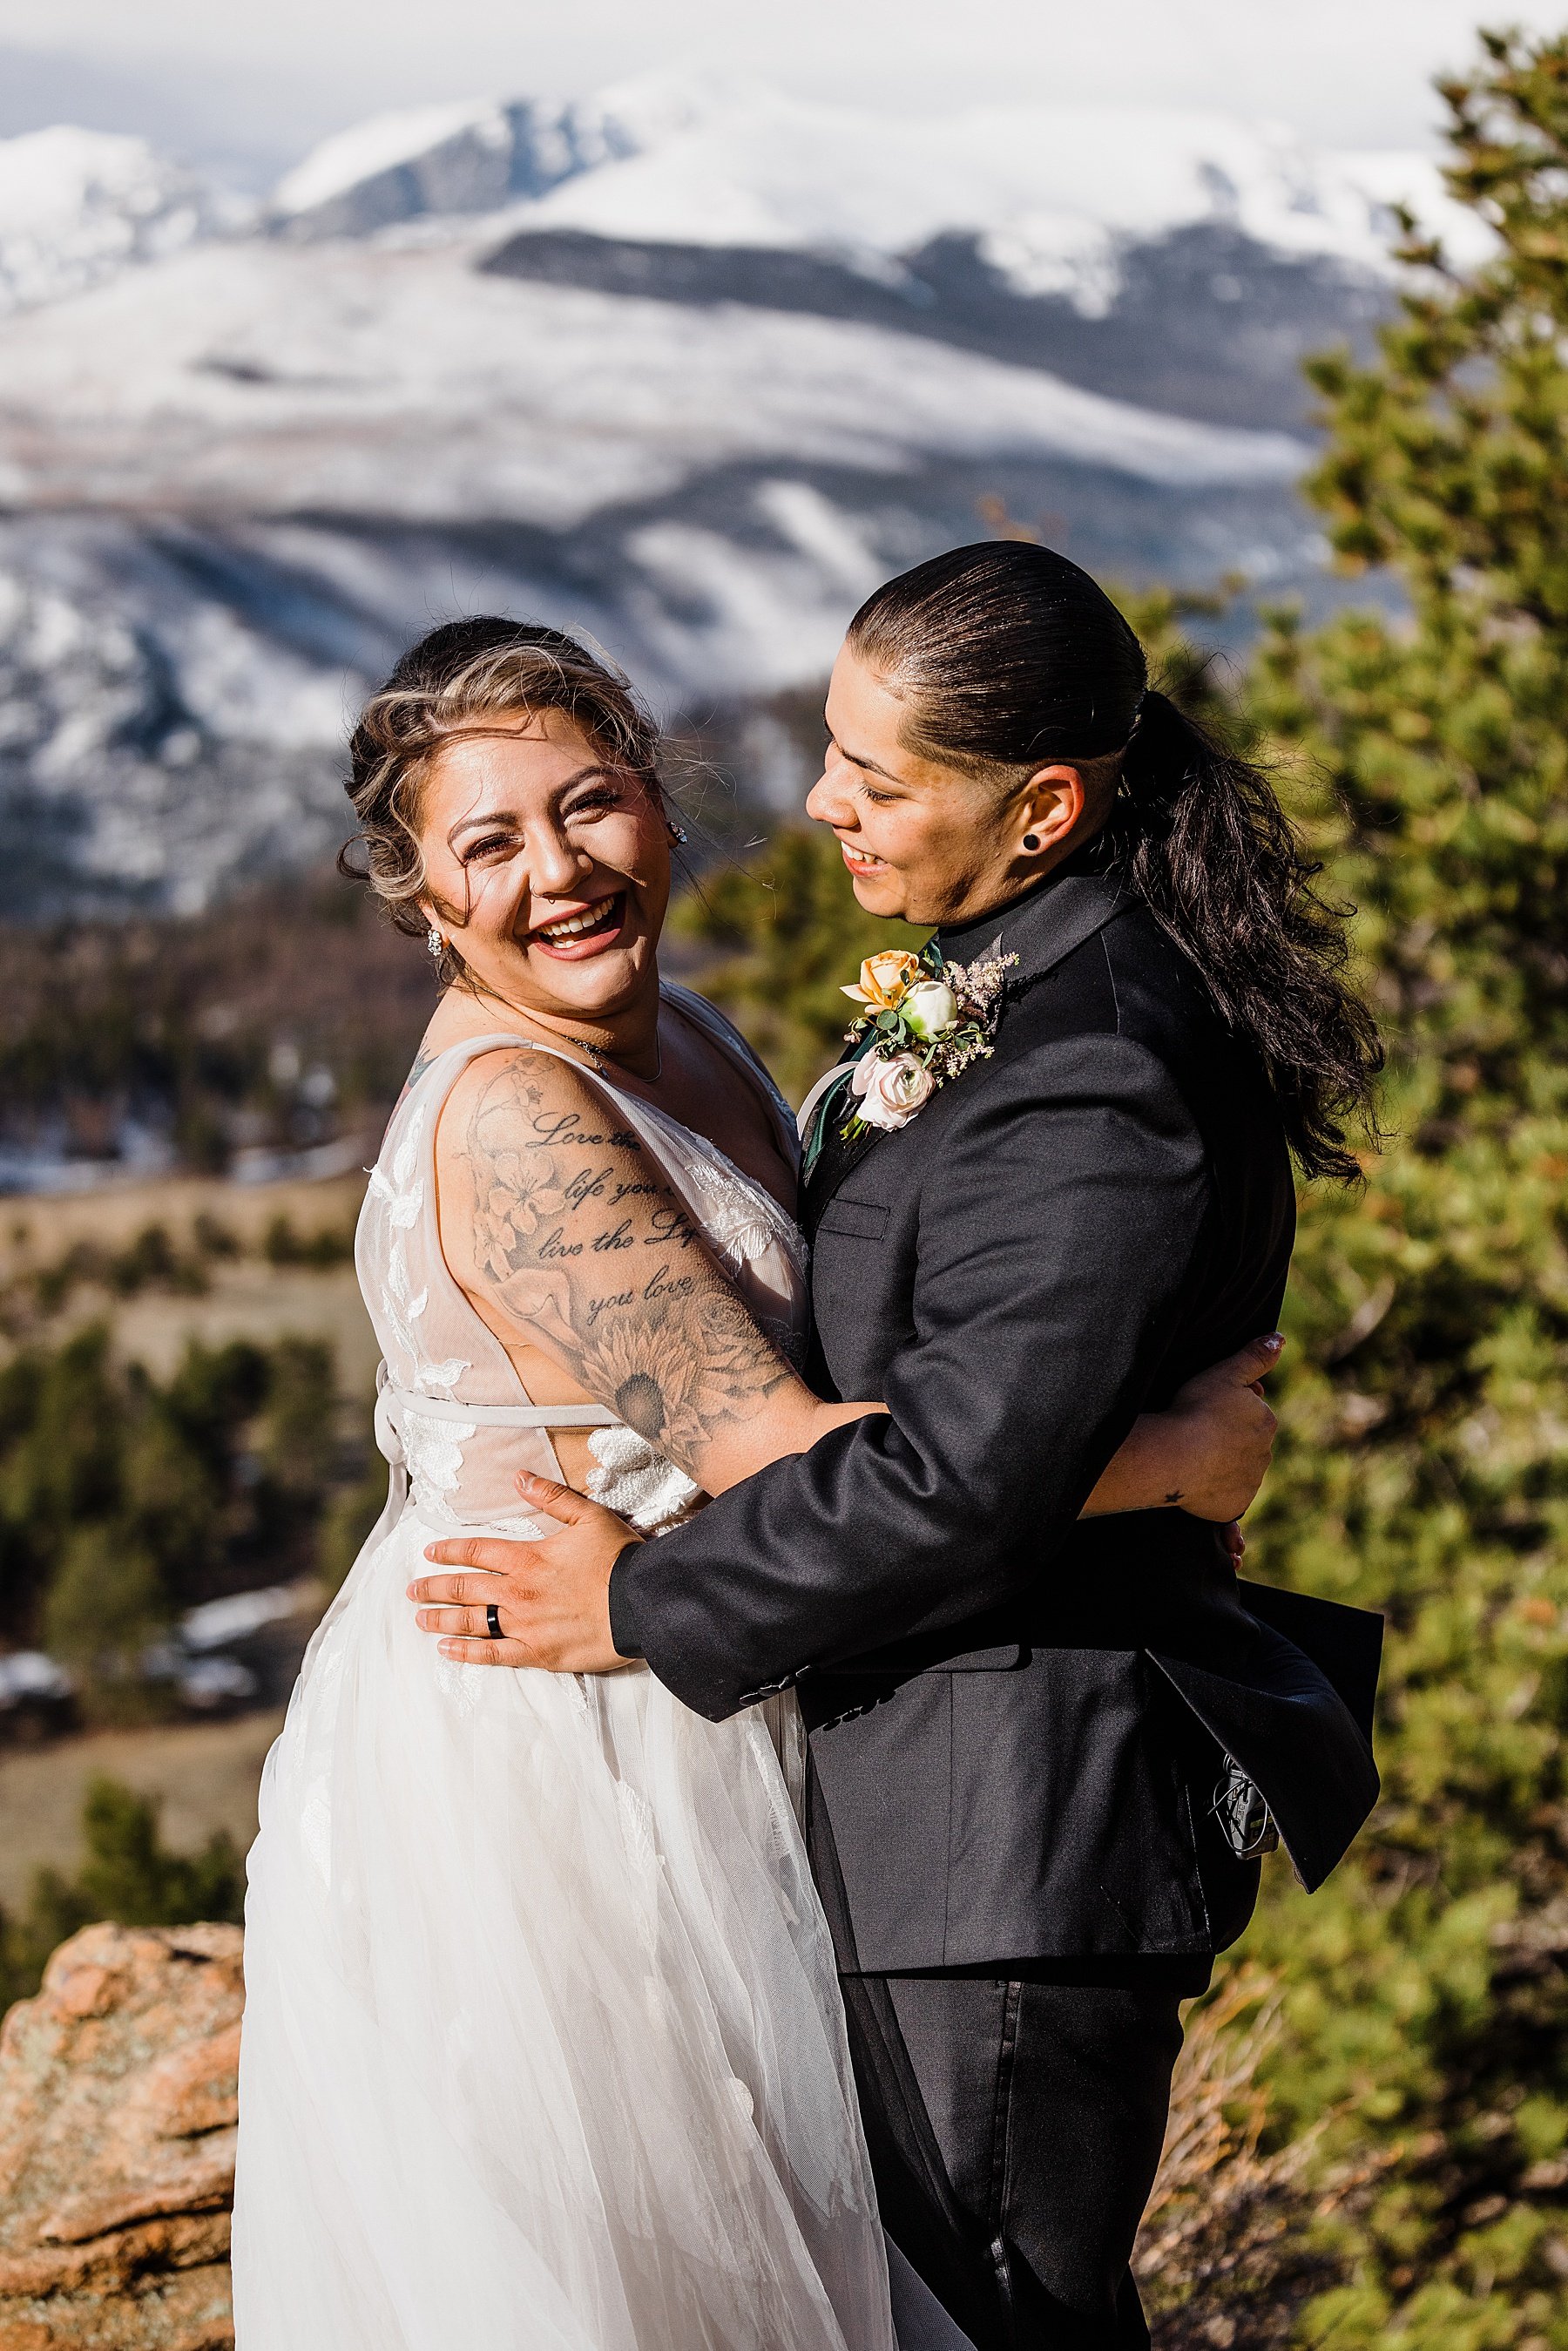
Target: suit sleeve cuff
{"type": "Point", "coordinates": [623, 1622]}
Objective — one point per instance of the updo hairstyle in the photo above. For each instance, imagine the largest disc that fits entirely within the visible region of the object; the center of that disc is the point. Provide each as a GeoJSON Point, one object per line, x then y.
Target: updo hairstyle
{"type": "Point", "coordinates": [457, 679]}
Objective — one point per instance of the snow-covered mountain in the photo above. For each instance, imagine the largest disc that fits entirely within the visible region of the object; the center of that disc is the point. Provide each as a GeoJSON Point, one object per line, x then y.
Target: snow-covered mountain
{"type": "Point", "coordinates": [687, 366]}
{"type": "Point", "coordinates": [1050, 195]}
{"type": "Point", "coordinates": [401, 380]}
{"type": "Point", "coordinates": [77, 206]}
{"type": "Point", "coordinates": [434, 160]}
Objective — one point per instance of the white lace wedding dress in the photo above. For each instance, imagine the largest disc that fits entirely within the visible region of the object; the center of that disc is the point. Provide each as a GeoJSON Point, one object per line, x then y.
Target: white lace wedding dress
{"type": "Point", "coordinates": [543, 2045]}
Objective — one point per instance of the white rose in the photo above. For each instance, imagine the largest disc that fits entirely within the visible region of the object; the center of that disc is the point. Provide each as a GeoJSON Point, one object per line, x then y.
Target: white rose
{"type": "Point", "coordinates": [890, 1091]}
{"type": "Point", "coordinates": [930, 1007]}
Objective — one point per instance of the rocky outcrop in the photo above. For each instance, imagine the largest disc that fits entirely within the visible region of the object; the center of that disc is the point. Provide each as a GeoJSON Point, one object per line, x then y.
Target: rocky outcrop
{"type": "Point", "coordinates": [117, 2105]}
{"type": "Point", "coordinates": [118, 2102]}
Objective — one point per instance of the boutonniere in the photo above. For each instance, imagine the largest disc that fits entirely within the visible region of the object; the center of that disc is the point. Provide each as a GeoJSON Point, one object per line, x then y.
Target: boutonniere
{"type": "Point", "coordinates": [925, 1025]}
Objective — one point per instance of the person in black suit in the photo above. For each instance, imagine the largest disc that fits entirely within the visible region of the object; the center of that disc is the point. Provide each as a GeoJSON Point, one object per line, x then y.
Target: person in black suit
{"type": "Point", "coordinates": [1045, 1753]}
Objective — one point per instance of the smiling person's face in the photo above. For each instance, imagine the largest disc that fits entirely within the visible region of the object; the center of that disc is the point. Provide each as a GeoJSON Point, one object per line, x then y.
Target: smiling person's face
{"type": "Point", "coordinates": [547, 869]}
{"type": "Point", "coordinates": [929, 842]}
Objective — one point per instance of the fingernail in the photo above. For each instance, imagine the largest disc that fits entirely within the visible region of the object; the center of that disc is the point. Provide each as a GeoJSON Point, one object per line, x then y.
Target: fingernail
{"type": "Point", "coordinates": [1274, 1341]}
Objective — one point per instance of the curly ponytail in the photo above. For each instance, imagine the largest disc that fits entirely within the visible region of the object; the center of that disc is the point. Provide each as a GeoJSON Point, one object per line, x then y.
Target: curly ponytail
{"type": "Point", "coordinates": [1010, 658]}
{"type": "Point", "coordinates": [1200, 836]}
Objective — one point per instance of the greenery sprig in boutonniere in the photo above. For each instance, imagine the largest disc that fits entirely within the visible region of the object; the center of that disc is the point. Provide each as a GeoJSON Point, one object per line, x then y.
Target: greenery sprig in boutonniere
{"type": "Point", "coordinates": [926, 1022]}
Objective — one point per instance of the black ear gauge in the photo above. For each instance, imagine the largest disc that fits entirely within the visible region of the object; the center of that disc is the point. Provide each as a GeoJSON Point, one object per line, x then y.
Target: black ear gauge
{"type": "Point", "coordinates": [1032, 840]}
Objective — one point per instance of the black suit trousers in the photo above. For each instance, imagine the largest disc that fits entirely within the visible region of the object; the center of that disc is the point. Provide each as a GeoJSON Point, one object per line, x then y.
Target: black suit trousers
{"type": "Point", "coordinates": [1015, 2122]}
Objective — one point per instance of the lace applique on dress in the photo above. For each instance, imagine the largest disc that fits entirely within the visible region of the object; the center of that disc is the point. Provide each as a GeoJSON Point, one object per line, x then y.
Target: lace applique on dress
{"type": "Point", "coordinates": [741, 1219]}
{"type": "Point", "coordinates": [401, 1192]}
{"type": "Point", "coordinates": [639, 1482]}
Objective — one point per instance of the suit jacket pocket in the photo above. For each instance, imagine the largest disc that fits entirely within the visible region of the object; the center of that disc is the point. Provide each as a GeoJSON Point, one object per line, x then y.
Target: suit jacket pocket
{"type": "Point", "coordinates": [1003, 1659]}
{"type": "Point", "coordinates": [915, 1659]}
{"type": "Point", "coordinates": [866, 1220]}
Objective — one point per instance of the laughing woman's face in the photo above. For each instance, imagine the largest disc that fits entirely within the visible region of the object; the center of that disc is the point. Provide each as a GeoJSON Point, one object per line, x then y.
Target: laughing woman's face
{"type": "Point", "coordinates": [547, 869]}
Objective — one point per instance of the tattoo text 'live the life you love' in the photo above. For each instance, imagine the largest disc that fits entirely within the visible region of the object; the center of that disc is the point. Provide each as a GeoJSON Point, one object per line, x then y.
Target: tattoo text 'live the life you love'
{"type": "Point", "coordinates": [587, 1249]}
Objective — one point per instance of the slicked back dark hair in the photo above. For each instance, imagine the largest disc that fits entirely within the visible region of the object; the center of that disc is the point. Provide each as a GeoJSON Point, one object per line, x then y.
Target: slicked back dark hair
{"type": "Point", "coordinates": [1007, 658]}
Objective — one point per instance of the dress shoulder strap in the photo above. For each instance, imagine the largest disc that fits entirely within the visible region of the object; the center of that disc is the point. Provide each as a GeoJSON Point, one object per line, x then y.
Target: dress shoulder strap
{"type": "Point", "coordinates": [729, 1039]}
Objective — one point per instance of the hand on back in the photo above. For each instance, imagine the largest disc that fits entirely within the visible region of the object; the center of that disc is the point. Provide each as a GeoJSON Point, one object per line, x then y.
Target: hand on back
{"type": "Point", "coordinates": [1226, 1431]}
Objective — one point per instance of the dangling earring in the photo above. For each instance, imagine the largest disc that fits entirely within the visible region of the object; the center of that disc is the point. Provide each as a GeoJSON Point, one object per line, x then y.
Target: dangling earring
{"type": "Point", "coordinates": [435, 942]}
{"type": "Point", "coordinates": [1032, 840]}
{"type": "Point", "coordinates": [677, 834]}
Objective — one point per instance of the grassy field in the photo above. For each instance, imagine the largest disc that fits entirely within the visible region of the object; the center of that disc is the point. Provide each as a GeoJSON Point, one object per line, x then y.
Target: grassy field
{"type": "Point", "coordinates": [205, 1775]}
{"type": "Point", "coordinates": [245, 1296]}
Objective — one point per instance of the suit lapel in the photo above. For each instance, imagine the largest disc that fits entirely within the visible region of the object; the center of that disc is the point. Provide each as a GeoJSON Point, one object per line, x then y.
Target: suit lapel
{"type": "Point", "coordinates": [1044, 929]}
{"type": "Point", "coordinates": [1089, 903]}
{"type": "Point", "coordinates": [834, 1159]}
{"type": "Point", "coordinates": [1041, 930]}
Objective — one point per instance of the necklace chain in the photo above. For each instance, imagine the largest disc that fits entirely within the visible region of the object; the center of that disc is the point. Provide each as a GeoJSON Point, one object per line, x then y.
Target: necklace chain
{"type": "Point", "coordinates": [595, 1054]}
{"type": "Point", "coordinates": [599, 1058]}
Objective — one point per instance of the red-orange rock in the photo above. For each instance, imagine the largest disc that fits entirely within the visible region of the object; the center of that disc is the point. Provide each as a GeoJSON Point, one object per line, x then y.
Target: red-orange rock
{"type": "Point", "coordinates": [118, 2097]}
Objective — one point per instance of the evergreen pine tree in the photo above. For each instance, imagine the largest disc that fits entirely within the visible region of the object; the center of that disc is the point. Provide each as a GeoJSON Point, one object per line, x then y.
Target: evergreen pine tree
{"type": "Point", "coordinates": [1424, 1461]}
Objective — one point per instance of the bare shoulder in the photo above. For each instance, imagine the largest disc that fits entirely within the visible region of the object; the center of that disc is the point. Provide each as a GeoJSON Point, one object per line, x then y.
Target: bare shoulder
{"type": "Point", "coordinates": [535, 1162]}
{"type": "Point", "coordinates": [547, 1101]}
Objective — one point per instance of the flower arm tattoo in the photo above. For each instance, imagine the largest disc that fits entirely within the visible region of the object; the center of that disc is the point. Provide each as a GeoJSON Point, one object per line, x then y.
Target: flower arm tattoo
{"type": "Point", "coordinates": [580, 1243]}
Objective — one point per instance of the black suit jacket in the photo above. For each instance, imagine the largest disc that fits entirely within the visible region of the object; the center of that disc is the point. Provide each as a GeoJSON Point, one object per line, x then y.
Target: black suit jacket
{"type": "Point", "coordinates": [1018, 1723]}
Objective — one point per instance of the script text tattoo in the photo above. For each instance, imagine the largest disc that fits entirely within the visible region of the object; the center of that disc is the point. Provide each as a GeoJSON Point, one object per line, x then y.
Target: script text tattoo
{"type": "Point", "coordinates": [559, 1206]}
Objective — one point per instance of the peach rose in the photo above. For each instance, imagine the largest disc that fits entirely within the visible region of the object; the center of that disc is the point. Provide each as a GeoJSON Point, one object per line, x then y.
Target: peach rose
{"type": "Point", "coordinates": [884, 977]}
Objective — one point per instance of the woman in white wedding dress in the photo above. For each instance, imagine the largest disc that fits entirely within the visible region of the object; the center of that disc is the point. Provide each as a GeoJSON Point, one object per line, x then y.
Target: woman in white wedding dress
{"type": "Point", "coordinates": [543, 2046]}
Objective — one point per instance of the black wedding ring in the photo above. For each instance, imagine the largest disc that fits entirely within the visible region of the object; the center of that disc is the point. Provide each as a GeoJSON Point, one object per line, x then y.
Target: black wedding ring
{"type": "Point", "coordinates": [492, 1622]}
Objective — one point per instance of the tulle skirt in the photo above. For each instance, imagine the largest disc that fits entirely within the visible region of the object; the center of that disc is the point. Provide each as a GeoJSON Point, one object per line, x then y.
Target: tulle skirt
{"type": "Point", "coordinates": [543, 2044]}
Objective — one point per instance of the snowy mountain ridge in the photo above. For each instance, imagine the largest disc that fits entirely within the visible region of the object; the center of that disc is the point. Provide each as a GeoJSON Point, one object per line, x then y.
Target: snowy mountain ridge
{"type": "Point", "coordinates": [77, 206]}
{"type": "Point", "coordinates": [687, 367]}
{"type": "Point", "coordinates": [1052, 195]}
